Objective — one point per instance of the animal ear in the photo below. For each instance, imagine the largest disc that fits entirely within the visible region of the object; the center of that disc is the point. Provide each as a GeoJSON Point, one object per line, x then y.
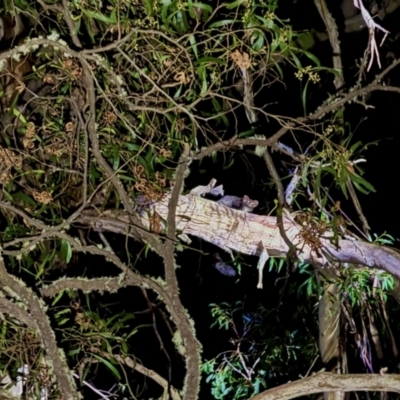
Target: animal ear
{"type": "Point", "coordinates": [255, 202]}
{"type": "Point", "coordinates": [245, 198]}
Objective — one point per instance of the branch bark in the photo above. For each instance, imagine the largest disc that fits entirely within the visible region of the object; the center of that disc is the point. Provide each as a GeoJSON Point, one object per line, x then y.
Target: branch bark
{"type": "Point", "coordinates": [34, 314]}
{"type": "Point", "coordinates": [328, 382]}
{"type": "Point", "coordinates": [243, 232]}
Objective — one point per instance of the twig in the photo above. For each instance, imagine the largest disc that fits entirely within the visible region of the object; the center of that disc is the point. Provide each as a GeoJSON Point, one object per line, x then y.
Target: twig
{"type": "Point", "coordinates": [99, 392]}
{"type": "Point", "coordinates": [281, 200]}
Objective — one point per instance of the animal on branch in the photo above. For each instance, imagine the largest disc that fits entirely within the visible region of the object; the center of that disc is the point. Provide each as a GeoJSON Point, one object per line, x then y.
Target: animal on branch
{"type": "Point", "coordinates": [240, 203]}
{"type": "Point", "coordinates": [247, 233]}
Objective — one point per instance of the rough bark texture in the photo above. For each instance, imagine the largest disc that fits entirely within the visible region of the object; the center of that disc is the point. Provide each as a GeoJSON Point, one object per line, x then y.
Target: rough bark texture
{"type": "Point", "coordinates": [248, 233]}
{"type": "Point", "coordinates": [327, 382]}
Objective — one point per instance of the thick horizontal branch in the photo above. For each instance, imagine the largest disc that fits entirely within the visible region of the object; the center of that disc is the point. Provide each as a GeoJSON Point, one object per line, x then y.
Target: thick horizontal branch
{"type": "Point", "coordinates": [249, 233]}
{"type": "Point", "coordinates": [329, 382]}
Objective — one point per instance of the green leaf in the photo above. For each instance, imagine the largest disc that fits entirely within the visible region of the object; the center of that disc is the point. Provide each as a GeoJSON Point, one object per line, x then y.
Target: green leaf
{"type": "Point", "coordinates": [192, 40]}
{"type": "Point", "coordinates": [225, 167]}
{"type": "Point", "coordinates": [344, 189]}
{"type": "Point", "coordinates": [295, 59]}
{"type": "Point", "coordinates": [74, 352]}
{"type": "Point", "coordinates": [116, 158]}
{"type": "Point", "coordinates": [125, 348]}
{"type": "Point", "coordinates": [223, 22]}
{"type": "Point", "coordinates": [246, 133]}
{"type": "Point", "coordinates": [22, 196]}
{"type": "Point", "coordinates": [279, 70]}
{"type": "Point", "coordinates": [355, 146]}
{"type": "Point", "coordinates": [41, 268]}
{"type": "Point", "coordinates": [62, 312]}
{"type": "Point", "coordinates": [191, 9]}
{"type": "Point", "coordinates": [360, 188]}
{"type": "Point", "coordinates": [209, 60]}
{"type": "Point", "coordinates": [311, 57]}
{"type": "Point", "coordinates": [205, 7]}
{"type": "Point", "coordinates": [306, 40]}
{"type": "Point", "coordinates": [355, 178]}
{"type": "Point", "coordinates": [234, 4]}
{"type": "Point", "coordinates": [178, 92]}
{"type": "Point", "coordinates": [149, 7]}
{"type": "Point", "coordinates": [19, 115]}
{"type": "Point", "coordinates": [258, 39]}
{"type": "Point", "coordinates": [57, 298]}
{"type": "Point", "coordinates": [164, 14]}
{"type": "Point", "coordinates": [201, 71]}
{"type": "Point", "coordinates": [100, 17]}
{"type": "Point", "coordinates": [132, 147]}
{"type": "Point", "coordinates": [66, 251]}
{"type": "Point", "coordinates": [304, 98]}
{"type": "Point", "coordinates": [268, 23]}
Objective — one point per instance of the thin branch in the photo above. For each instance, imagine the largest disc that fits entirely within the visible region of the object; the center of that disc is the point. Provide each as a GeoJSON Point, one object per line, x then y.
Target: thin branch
{"type": "Point", "coordinates": [333, 34]}
{"type": "Point", "coordinates": [150, 374]}
{"type": "Point", "coordinates": [328, 106]}
{"type": "Point", "coordinates": [70, 24]}
{"type": "Point", "coordinates": [281, 199]}
{"type": "Point", "coordinates": [97, 391]}
{"type": "Point", "coordinates": [155, 86]}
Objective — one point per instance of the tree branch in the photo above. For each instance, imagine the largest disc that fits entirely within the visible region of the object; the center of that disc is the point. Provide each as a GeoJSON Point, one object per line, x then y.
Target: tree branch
{"type": "Point", "coordinates": [328, 382]}
{"type": "Point", "coordinates": [17, 289]}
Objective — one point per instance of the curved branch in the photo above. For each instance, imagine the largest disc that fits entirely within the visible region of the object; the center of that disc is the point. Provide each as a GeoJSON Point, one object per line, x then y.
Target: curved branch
{"type": "Point", "coordinates": [150, 374]}
{"type": "Point", "coordinates": [18, 290]}
{"type": "Point", "coordinates": [328, 382]}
